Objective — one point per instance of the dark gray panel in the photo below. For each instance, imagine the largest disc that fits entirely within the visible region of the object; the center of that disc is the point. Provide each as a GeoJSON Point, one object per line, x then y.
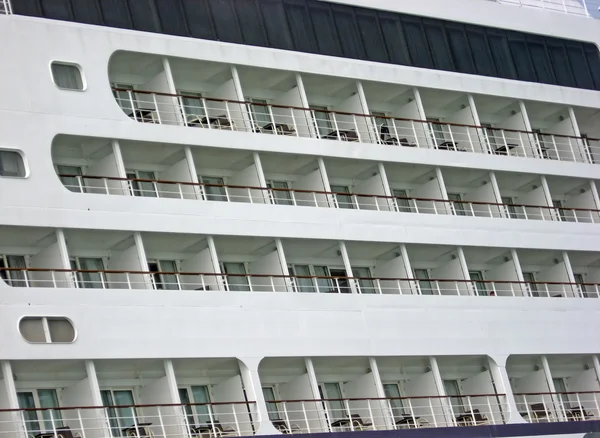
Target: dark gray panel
{"type": "Point", "coordinates": [86, 11]}
{"type": "Point", "coordinates": [327, 38]}
{"type": "Point", "coordinates": [275, 22]}
{"type": "Point", "coordinates": [143, 14]}
{"type": "Point", "coordinates": [593, 58]}
{"type": "Point", "coordinates": [347, 29]}
{"type": "Point", "coordinates": [480, 50]}
{"type": "Point", "coordinates": [417, 42]}
{"type": "Point", "coordinates": [372, 38]}
{"type": "Point", "coordinates": [541, 60]}
{"type": "Point", "coordinates": [56, 9]}
{"type": "Point", "coordinates": [395, 41]}
{"type": "Point", "coordinates": [521, 56]}
{"type": "Point", "coordinates": [225, 21]}
{"type": "Point", "coordinates": [116, 13]}
{"type": "Point", "coordinates": [301, 28]}
{"type": "Point", "coordinates": [501, 54]}
{"type": "Point", "coordinates": [438, 45]}
{"type": "Point", "coordinates": [172, 17]}
{"type": "Point", "coordinates": [460, 49]}
{"type": "Point", "coordinates": [578, 60]}
{"type": "Point", "coordinates": [250, 21]}
{"type": "Point", "coordinates": [560, 66]}
{"type": "Point", "coordinates": [198, 18]}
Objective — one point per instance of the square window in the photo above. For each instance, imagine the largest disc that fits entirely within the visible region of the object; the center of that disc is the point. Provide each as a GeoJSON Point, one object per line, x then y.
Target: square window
{"type": "Point", "coordinates": [67, 76]}
{"type": "Point", "coordinates": [11, 164]}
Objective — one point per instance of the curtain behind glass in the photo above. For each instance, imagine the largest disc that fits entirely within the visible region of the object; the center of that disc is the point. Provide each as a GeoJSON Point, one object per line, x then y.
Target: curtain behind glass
{"type": "Point", "coordinates": [27, 401]}
{"type": "Point", "coordinates": [365, 283]}
{"type": "Point", "coordinates": [17, 278]}
{"type": "Point", "coordinates": [213, 193]}
{"type": "Point", "coordinates": [424, 284]}
{"type": "Point", "coordinates": [477, 277]}
{"type": "Point", "coordinates": [119, 418]}
{"type": "Point", "coordinates": [303, 284]}
{"type": "Point", "coordinates": [184, 397]}
{"type": "Point", "coordinates": [281, 197]}
{"type": "Point", "coordinates": [322, 119]}
{"type": "Point", "coordinates": [49, 399]}
{"type": "Point", "coordinates": [67, 76]}
{"type": "Point", "coordinates": [236, 283]}
{"type": "Point", "coordinates": [324, 284]}
{"type": "Point", "coordinates": [452, 389]}
{"type": "Point", "coordinates": [333, 393]}
{"type": "Point", "coordinates": [403, 204]}
{"type": "Point", "coordinates": [343, 201]}
{"type": "Point", "coordinates": [392, 392]}
{"type": "Point", "coordinates": [203, 412]}
{"type": "Point", "coordinates": [169, 281]}
{"type": "Point", "coordinates": [92, 280]}
{"type": "Point", "coordinates": [193, 107]}
{"type": "Point", "coordinates": [272, 408]}
{"type": "Point", "coordinates": [11, 164]}
{"type": "Point", "coordinates": [260, 113]}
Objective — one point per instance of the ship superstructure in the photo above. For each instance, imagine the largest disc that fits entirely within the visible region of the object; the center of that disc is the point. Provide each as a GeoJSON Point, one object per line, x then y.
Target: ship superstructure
{"type": "Point", "coordinates": [259, 217]}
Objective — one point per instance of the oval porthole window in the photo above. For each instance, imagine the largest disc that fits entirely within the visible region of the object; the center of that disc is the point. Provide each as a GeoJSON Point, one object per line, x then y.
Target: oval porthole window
{"type": "Point", "coordinates": [47, 329]}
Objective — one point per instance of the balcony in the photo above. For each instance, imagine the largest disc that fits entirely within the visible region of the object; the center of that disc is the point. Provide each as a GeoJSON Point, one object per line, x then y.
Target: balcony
{"type": "Point", "coordinates": [506, 134]}
{"type": "Point", "coordinates": [574, 393]}
{"type": "Point", "coordinates": [5, 7]}
{"type": "Point", "coordinates": [572, 7]}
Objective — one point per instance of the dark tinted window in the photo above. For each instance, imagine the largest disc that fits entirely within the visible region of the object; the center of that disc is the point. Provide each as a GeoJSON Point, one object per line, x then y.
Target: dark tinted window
{"type": "Point", "coordinates": [58, 9]}
{"type": "Point", "coordinates": [328, 28]}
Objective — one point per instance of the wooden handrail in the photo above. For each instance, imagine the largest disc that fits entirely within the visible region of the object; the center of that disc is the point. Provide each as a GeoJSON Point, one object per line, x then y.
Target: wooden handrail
{"type": "Point", "coordinates": [158, 405]}
{"type": "Point", "coordinates": [402, 119]}
{"type": "Point", "coordinates": [319, 277]}
{"type": "Point", "coordinates": [320, 192]}
{"type": "Point", "coordinates": [385, 398]}
{"type": "Point", "coordinates": [557, 393]}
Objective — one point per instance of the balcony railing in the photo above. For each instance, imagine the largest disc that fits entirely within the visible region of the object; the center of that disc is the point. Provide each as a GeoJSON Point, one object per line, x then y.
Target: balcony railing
{"type": "Point", "coordinates": [358, 414]}
{"type": "Point", "coordinates": [543, 407]}
{"type": "Point", "coordinates": [5, 7]}
{"type": "Point", "coordinates": [209, 420]}
{"type": "Point", "coordinates": [573, 7]}
{"type": "Point", "coordinates": [155, 188]}
{"type": "Point", "coordinates": [120, 279]}
{"type": "Point", "coordinates": [232, 115]}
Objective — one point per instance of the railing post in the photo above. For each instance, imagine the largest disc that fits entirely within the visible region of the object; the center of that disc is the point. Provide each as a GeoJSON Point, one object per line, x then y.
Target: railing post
{"type": "Point", "coordinates": [206, 113]}
{"type": "Point", "coordinates": [160, 420]}
{"type": "Point", "coordinates": [131, 101]}
{"type": "Point", "coordinates": [356, 128]}
{"type": "Point", "coordinates": [227, 110]}
{"type": "Point", "coordinates": [335, 124]}
{"type": "Point", "coordinates": [294, 122]}
{"type": "Point", "coordinates": [412, 122]}
{"type": "Point", "coordinates": [156, 107]}
{"type": "Point", "coordinates": [305, 417]}
{"type": "Point", "coordinates": [83, 435]}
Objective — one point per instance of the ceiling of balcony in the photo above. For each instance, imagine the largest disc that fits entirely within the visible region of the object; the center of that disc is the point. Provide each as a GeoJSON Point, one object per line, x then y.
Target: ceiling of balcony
{"type": "Point", "coordinates": [252, 78]}
{"type": "Point", "coordinates": [134, 68]}
{"type": "Point", "coordinates": [26, 237]}
{"type": "Point", "coordinates": [100, 240]}
{"type": "Point", "coordinates": [48, 370]}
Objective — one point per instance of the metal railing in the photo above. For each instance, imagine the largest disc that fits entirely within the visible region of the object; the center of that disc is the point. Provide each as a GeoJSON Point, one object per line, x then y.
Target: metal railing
{"type": "Point", "coordinates": [358, 414]}
{"type": "Point", "coordinates": [155, 188]}
{"type": "Point", "coordinates": [206, 420]}
{"type": "Point", "coordinates": [162, 280]}
{"type": "Point", "coordinates": [231, 115]}
{"type": "Point", "coordinates": [543, 407]}
{"type": "Point", "coordinates": [573, 7]}
{"type": "Point", "coordinates": [5, 7]}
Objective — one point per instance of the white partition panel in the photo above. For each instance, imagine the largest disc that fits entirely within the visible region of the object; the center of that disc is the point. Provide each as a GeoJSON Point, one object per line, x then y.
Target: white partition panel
{"type": "Point", "coordinates": [127, 260]}
{"type": "Point", "coordinates": [248, 177]}
{"type": "Point", "coordinates": [483, 192]}
{"type": "Point", "coordinates": [82, 394]}
{"type": "Point", "coordinates": [179, 171]}
{"type": "Point", "coordinates": [432, 189]}
{"type": "Point", "coordinates": [373, 185]}
{"type": "Point", "coordinates": [306, 415]}
{"type": "Point", "coordinates": [394, 268]}
{"type": "Point", "coordinates": [166, 420]}
{"type": "Point", "coordinates": [111, 165]}
{"type": "Point", "coordinates": [201, 262]}
{"type": "Point", "coordinates": [555, 273]}
{"type": "Point", "coordinates": [535, 196]}
{"type": "Point", "coordinates": [452, 270]}
{"type": "Point", "coordinates": [269, 264]}
{"type": "Point", "coordinates": [489, 407]}
{"type": "Point", "coordinates": [227, 391]}
{"type": "Point", "coordinates": [431, 410]}
{"type": "Point", "coordinates": [50, 258]}
{"type": "Point", "coordinates": [313, 181]}
{"type": "Point", "coordinates": [369, 410]}
{"type": "Point", "coordinates": [506, 271]}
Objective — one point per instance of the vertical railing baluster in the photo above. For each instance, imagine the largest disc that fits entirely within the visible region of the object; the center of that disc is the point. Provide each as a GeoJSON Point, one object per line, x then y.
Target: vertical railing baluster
{"type": "Point", "coordinates": [156, 108]}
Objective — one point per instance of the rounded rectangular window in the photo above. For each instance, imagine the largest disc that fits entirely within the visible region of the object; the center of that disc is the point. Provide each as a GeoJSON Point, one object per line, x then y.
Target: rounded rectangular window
{"type": "Point", "coordinates": [67, 76]}
{"type": "Point", "coordinates": [46, 330]}
{"type": "Point", "coordinates": [11, 164]}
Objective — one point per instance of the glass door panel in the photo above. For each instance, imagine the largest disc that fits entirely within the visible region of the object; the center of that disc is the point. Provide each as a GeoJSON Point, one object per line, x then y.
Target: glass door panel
{"type": "Point", "coordinates": [365, 283]}
{"type": "Point", "coordinates": [303, 284]}
{"type": "Point", "coordinates": [334, 403]}
{"type": "Point", "coordinates": [236, 283]}
{"type": "Point", "coordinates": [392, 392]}
{"type": "Point", "coordinates": [425, 284]}
{"type": "Point", "coordinates": [214, 192]}
{"type": "Point", "coordinates": [481, 287]}
{"type": "Point", "coordinates": [343, 200]}
{"type": "Point", "coordinates": [280, 197]}
{"type": "Point", "coordinates": [27, 401]}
